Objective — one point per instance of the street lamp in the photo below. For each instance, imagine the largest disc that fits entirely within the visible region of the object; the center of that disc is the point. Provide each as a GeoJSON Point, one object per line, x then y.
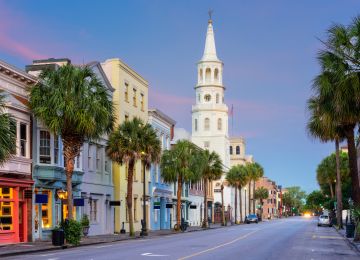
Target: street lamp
{"type": "Point", "coordinates": [143, 223]}
{"type": "Point", "coordinates": [62, 194]}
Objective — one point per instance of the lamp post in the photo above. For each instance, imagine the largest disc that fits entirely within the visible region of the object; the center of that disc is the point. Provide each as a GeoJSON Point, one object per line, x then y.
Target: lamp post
{"type": "Point", "coordinates": [143, 223]}
{"type": "Point", "coordinates": [61, 195]}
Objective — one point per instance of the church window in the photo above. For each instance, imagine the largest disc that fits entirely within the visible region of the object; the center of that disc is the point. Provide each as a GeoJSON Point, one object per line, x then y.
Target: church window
{"type": "Point", "coordinates": [237, 149]}
{"type": "Point", "coordinates": [134, 98]}
{"type": "Point", "coordinates": [217, 98]}
{"type": "Point", "coordinates": [142, 101]}
{"type": "Point", "coordinates": [199, 97]}
{"type": "Point", "coordinates": [207, 124]}
{"type": "Point", "coordinates": [207, 97]}
{"type": "Point", "coordinates": [200, 75]}
{"type": "Point", "coordinates": [216, 74]}
{"type": "Point", "coordinates": [219, 123]}
{"type": "Point", "coordinates": [207, 75]}
{"type": "Point", "coordinates": [231, 150]}
{"type": "Point", "coordinates": [196, 125]}
{"type": "Point", "coordinates": [126, 92]}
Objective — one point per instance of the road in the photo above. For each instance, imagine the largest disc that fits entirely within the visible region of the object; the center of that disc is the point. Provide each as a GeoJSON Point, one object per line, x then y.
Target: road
{"type": "Point", "coordinates": [292, 238]}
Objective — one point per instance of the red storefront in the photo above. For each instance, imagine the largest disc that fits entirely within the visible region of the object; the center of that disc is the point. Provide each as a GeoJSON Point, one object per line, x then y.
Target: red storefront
{"type": "Point", "coordinates": [15, 210]}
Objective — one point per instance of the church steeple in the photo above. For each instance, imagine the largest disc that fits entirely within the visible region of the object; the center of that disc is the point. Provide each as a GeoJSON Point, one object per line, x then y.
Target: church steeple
{"type": "Point", "coordinates": [210, 49]}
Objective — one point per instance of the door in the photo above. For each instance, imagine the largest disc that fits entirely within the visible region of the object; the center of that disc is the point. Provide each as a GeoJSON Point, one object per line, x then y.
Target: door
{"type": "Point", "coordinates": [21, 222]}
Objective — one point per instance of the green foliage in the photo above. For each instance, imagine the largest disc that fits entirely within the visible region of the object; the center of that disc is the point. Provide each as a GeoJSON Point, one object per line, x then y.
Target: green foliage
{"type": "Point", "coordinates": [85, 222]}
{"type": "Point", "coordinates": [293, 198]}
{"type": "Point", "coordinates": [7, 133]}
{"type": "Point", "coordinates": [254, 171]}
{"type": "Point", "coordinates": [72, 230]}
{"type": "Point", "coordinates": [261, 193]}
{"type": "Point", "coordinates": [211, 165]}
{"type": "Point", "coordinates": [315, 200]}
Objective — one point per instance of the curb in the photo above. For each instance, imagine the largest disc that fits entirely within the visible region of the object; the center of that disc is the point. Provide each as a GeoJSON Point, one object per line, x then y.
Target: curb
{"type": "Point", "coordinates": [97, 243]}
{"type": "Point", "coordinates": [350, 243]}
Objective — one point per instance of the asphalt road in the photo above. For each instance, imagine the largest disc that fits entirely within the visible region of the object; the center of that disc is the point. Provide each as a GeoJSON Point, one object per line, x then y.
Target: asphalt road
{"type": "Point", "coordinates": [292, 238]}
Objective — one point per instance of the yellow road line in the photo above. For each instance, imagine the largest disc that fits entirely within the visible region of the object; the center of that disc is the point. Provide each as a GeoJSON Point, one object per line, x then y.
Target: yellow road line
{"type": "Point", "coordinates": [221, 245]}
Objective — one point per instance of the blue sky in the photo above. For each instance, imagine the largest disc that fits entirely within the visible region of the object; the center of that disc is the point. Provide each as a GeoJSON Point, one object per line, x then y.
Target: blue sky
{"type": "Point", "coordinates": [268, 48]}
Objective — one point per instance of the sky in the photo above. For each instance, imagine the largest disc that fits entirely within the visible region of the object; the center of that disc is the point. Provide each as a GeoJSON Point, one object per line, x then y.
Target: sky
{"type": "Point", "coordinates": [268, 48]}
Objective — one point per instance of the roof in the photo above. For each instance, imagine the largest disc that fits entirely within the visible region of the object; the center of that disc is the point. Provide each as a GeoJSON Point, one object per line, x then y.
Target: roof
{"type": "Point", "coordinates": [17, 73]}
{"type": "Point", "coordinates": [162, 115]}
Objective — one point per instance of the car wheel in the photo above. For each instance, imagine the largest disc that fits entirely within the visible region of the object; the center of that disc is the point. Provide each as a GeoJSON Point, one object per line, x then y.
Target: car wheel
{"type": "Point", "coordinates": [318, 225]}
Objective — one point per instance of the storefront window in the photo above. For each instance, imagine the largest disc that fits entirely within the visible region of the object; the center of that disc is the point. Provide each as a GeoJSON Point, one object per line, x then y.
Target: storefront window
{"type": "Point", "coordinates": [46, 210]}
{"type": "Point", "coordinates": [6, 209]}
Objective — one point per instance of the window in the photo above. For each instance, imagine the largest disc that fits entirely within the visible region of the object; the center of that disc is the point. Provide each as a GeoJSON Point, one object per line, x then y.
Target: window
{"type": "Point", "coordinates": [231, 150]}
{"type": "Point", "coordinates": [142, 102]}
{"type": "Point", "coordinates": [135, 209]}
{"type": "Point", "coordinates": [207, 124]}
{"type": "Point", "coordinates": [56, 149]}
{"type": "Point", "coordinates": [237, 149]}
{"type": "Point", "coordinates": [219, 123]}
{"type": "Point", "coordinates": [6, 208]}
{"type": "Point", "coordinates": [206, 144]}
{"type": "Point", "coordinates": [199, 97]}
{"type": "Point", "coordinates": [207, 97]}
{"type": "Point", "coordinates": [23, 139]}
{"type": "Point", "coordinates": [89, 158]}
{"type": "Point", "coordinates": [46, 210]}
{"type": "Point", "coordinates": [196, 125]}
{"type": "Point", "coordinates": [98, 158]}
{"type": "Point", "coordinates": [78, 160]}
{"type": "Point", "coordinates": [126, 92]}
{"type": "Point", "coordinates": [107, 164]}
{"type": "Point", "coordinates": [134, 98]}
{"type": "Point", "coordinates": [216, 74]}
{"type": "Point", "coordinates": [217, 98]}
{"type": "Point", "coordinates": [14, 130]}
{"type": "Point", "coordinates": [44, 149]}
{"type": "Point", "coordinates": [207, 75]}
{"type": "Point", "coordinates": [93, 210]}
{"type": "Point", "coordinates": [126, 117]}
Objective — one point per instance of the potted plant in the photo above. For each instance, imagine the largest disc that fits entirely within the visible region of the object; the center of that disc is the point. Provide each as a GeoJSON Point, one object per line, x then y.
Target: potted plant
{"type": "Point", "coordinates": [85, 223]}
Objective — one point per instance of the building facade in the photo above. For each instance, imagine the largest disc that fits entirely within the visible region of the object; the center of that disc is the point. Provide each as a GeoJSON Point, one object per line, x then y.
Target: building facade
{"type": "Point", "coordinates": [130, 99]}
{"type": "Point", "coordinates": [270, 205]}
{"type": "Point", "coordinates": [210, 113]}
{"type": "Point", "coordinates": [160, 192]}
{"type": "Point", "coordinates": [16, 185]}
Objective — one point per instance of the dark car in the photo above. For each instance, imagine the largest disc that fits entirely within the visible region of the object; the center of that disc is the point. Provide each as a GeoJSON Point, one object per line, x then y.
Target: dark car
{"type": "Point", "coordinates": [252, 218]}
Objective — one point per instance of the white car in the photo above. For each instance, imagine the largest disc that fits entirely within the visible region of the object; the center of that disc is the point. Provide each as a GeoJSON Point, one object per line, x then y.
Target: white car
{"type": "Point", "coordinates": [324, 220]}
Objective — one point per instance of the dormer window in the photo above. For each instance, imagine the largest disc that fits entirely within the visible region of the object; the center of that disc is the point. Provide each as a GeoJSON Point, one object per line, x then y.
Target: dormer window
{"type": "Point", "coordinates": [207, 97]}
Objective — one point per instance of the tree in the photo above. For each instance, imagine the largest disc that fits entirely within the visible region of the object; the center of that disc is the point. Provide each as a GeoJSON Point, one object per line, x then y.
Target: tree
{"type": "Point", "coordinates": [181, 165]}
{"type": "Point", "coordinates": [131, 141]}
{"type": "Point", "coordinates": [293, 198]}
{"type": "Point", "coordinates": [211, 170]}
{"type": "Point", "coordinates": [326, 174]}
{"type": "Point", "coordinates": [73, 103]}
{"type": "Point", "coordinates": [243, 179]}
{"type": "Point", "coordinates": [261, 194]}
{"type": "Point", "coordinates": [232, 177]}
{"type": "Point", "coordinates": [340, 96]}
{"type": "Point", "coordinates": [255, 171]}
{"type": "Point", "coordinates": [315, 201]}
{"type": "Point", "coordinates": [7, 132]}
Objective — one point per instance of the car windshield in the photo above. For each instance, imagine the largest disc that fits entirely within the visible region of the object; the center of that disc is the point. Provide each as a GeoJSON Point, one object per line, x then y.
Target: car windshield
{"type": "Point", "coordinates": [252, 216]}
{"type": "Point", "coordinates": [325, 217]}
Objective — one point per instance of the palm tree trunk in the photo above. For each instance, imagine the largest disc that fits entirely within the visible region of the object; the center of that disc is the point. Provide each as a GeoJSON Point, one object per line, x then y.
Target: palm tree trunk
{"type": "Point", "coordinates": [338, 186]}
{"type": "Point", "coordinates": [254, 196]}
{"type": "Point", "coordinates": [355, 188]}
{"type": "Point", "coordinates": [205, 204]}
{"type": "Point", "coordinates": [178, 206]}
{"type": "Point", "coordinates": [240, 204]}
{"type": "Point", "coordinates": [129, 197]}
{"type": "Point", "coordinates": [331, 189]}
{"type": "Point", "coordinates": [236, 204]}
{"type": "Point", "coordinates": [249, 197]}
{"type": "Point", "coordinates": [222, 205]}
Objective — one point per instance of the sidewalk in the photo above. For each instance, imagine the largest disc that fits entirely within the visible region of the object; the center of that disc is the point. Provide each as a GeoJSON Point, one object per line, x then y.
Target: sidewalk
{"type": "Point", "coordinates": [350, 241]}
{"type": "Point", "coordinates": [40, 246]}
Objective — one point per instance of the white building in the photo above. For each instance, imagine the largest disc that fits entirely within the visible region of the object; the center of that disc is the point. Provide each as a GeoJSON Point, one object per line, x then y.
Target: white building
{"type": "Point", "coordinates": [210, 113]}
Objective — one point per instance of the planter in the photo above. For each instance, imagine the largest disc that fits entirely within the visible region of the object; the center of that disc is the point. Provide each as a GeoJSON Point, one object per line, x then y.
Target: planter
{"type": "Point", "coordinates": [58, 237]}
{"type": "Point", "coordinates": [85, 231]}
{"type": "Point", "coordinates": [350, 230]}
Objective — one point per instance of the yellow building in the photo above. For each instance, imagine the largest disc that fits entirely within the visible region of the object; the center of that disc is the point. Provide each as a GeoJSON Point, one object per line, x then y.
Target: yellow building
{"type": "Point", "coordinates": [130, 100]}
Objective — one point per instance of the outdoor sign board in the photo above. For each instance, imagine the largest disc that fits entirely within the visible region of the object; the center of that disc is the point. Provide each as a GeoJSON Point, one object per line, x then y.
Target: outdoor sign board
{"type": "Point", "coordinates": [41, 198]}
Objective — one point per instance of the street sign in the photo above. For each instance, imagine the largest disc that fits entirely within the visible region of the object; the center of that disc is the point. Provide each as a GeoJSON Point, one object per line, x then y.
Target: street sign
{"type": "Point", "coordinates": [114, 203]}
{"type": "Point", "coordinates": [169, 205]}
{"type": "Point", "coordinates": [192, 206]}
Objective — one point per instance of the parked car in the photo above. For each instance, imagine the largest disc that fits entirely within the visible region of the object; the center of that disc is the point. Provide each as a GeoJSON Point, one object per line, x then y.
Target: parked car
{"type": "Point", "coordinates": [324, 220]}
{"type": "Point", "coordinates": [252, 218]}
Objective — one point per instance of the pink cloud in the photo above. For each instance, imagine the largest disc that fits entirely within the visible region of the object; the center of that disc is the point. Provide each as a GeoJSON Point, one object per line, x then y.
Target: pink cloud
{"type": "Point", "coordinates": [164, 99]}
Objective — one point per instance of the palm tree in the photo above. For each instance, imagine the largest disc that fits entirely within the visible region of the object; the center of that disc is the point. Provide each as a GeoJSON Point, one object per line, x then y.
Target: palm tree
{"type": "Point", "coordinates": [180, 164]}
{"type": "Point", "coordinates": [212, 170]}
{"type": "Point", "coordinates": [323, 127]}
{"type": "Point", "coordinates": [131, 141]}
{"type": "Point", "coordinates": [7, 133]}
{"type": "Point", "coordinates": [243, 179]}
{"type": "Point", "coordinates": [255, 172]}
{"type": "Point", "coordinates": [340, 62]}
{"type": "Point", "coordinates": [261, 194]}
{"type": "Point", "coordinates": [73, 103]}
{"type": "Point", "coordinates": [232, 177]}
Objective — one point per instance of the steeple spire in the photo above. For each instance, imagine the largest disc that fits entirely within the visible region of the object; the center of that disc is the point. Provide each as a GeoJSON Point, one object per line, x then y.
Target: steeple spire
{"type": "Point", "coordinates": [210, 49]}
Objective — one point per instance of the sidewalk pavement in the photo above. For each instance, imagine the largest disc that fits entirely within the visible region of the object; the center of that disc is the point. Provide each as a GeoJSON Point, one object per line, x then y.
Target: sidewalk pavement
{"type": "Point", "coordinates": [40, 246]}
{"type": "Point", "coordinates": [350, 241]}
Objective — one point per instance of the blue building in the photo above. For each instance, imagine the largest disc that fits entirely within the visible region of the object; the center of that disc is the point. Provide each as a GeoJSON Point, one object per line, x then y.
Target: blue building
{"type": "Point", "coordinates": [160, 192]}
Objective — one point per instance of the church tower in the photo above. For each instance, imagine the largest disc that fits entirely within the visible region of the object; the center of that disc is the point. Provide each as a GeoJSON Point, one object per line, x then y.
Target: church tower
{"type": "Point", "coordinates": [210, 113]}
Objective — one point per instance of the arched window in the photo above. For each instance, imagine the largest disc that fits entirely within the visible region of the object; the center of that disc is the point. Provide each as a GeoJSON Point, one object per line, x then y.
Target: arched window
{"type": "Point", "coordinates": [199, 97]}
{"type": "Point", "coordinates": [207, 124]}
{"type": "Point", "coordinates": [207, 75]}
{"type": "Point", "coordinates": [217, 98]}
{"type": "Point", "coordinates": [207, 97]}
{"type": "Point", "coordinates": [196, 125]}
{"type": "Point", "coordinates": [200, 75]}
{"type": "Point", "coordinates": [219, 123]}
{"type": "Point", "coordinates": [216, 75]}
{"type": "Point", "coordinates": [231, 151]}
{"type": "Point", "coordinates": [237, 149]}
